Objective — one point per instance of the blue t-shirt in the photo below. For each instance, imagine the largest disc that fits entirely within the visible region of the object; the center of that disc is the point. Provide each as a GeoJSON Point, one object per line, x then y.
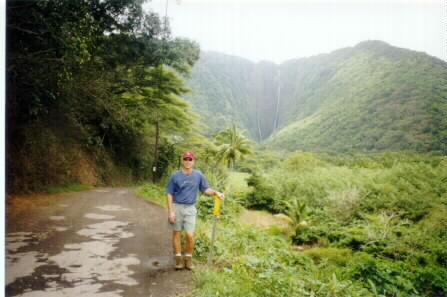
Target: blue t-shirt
{"type": "Point", "coordinates": [185, 187]}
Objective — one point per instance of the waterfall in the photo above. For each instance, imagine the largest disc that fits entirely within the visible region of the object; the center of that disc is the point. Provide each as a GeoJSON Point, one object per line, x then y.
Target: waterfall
{"type": "Point", "coordinates": [278, 99]}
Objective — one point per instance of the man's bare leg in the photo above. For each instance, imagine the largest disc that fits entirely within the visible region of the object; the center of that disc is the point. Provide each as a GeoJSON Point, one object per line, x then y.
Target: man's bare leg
{"type": "Point", "coordinates": [189, 249]}
{"type": "Point", "coordinates": [176, 242]}
{"type": "Point", "coordinates": [189, 243]}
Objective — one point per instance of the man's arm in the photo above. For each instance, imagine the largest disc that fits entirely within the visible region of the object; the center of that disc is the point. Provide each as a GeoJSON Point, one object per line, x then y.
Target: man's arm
{"type": "Point", "coordinates": [211, 192]}
{"type": "Point", "coordinates": [171, 212]}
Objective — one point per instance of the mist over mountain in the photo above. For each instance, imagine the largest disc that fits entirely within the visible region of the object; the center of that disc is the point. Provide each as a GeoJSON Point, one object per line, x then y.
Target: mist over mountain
{"type": "Point", "coordinates": [371, 97]}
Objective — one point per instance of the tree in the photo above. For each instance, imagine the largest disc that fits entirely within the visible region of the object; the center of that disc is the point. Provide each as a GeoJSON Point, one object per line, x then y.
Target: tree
{"type": "Point", "coordinates": [297, 212]}
{"type": "Point", "coordinates": [80, 69]}
{"type": "Point", "coordinates": [232, 146]}
{"type": "Point", "coordinates": [156, 100]}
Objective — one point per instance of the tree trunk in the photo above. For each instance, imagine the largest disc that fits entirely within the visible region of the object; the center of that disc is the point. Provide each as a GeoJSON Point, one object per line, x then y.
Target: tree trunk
{"type": "Point", "coordinates": [157, 129]}
{"type": "Point", "coordinates": [157, 137]}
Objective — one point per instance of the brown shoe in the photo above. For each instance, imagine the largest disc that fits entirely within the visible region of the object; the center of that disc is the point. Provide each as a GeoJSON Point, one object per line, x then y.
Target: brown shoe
{"type": "Point", "coordinates": [188, 263]}
{"type": "Point", "coordinates": [178, 263]}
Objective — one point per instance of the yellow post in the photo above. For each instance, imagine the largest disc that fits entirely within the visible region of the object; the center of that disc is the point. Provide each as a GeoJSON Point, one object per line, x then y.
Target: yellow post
{"type": "Point", "coordinates": [217, 203]}
{"type": "Point", "coordinates": [216, 213]}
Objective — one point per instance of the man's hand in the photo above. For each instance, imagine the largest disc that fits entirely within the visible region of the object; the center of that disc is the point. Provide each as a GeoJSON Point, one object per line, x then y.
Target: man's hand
{"type": "Point", "coordinates": [171, 217]}
{"type": "Point", "coordinates": [220, 195]}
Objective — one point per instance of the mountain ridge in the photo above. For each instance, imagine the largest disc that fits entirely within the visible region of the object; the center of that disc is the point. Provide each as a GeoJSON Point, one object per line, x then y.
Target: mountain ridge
{"type": "Point", "coordinates": [340, 88]}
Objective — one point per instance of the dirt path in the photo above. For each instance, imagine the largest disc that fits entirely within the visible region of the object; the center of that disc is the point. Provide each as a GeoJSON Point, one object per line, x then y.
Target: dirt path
{"type": "Point", "coordinates": [99, 243]}
{"type": "Point", "coordinates": [263, 219]}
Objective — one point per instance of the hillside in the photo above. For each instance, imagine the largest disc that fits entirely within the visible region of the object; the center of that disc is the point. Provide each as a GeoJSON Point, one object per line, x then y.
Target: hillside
{"type": "Point", "coordinates": [371, 97]}
{"type": "Point", "coordinates": [220, 93]}
{"type": "Point", "coordinates": [229, 88]}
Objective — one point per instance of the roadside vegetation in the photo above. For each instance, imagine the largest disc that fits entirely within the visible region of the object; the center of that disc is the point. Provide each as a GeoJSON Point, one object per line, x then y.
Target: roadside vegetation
{"type": "Point", "coordinates": [94, 93]}
{"type": "Point", "coordinates": [96, 96]}
{"type": "Point", "coordinates": [67, 188]}
{"type": "Point", "coordinates": [360, 225]}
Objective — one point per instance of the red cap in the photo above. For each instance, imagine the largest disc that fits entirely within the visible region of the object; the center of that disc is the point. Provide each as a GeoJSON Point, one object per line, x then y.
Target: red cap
{"type": "Point", "coordinates": [189, 155]}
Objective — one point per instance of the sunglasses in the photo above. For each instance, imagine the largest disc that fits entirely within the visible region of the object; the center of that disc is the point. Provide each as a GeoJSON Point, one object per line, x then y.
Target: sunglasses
{"type": "Point", "coordinates": [187, 159]}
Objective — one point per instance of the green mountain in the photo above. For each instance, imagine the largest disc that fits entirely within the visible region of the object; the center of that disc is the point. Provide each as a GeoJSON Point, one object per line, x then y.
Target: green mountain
{"type": "Point", "coordinates": [371, 97]}
{"type": "Point", "coordinates": [230, 89]}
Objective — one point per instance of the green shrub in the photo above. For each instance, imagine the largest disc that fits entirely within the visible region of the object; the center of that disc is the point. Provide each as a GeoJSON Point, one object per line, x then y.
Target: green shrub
{"type": "Point", "coordinates": [301, 161]}
{"type": "Point", "coordinates": [310, 235]}
{"type": "Point", "coordinates": [336, 256]}
{"type": "Point", "coordinates": [343, 205]}
{"type": "Point", "coordinates": [390, 279]}
{"type": "Point", "coordinates": [412, 189]}
{"type": "Point", "coordinates": [319, 232]}
{"type": "Point", "coordinates": [261, 197]}
{"type": "Point", "coordinates": [431, 281]}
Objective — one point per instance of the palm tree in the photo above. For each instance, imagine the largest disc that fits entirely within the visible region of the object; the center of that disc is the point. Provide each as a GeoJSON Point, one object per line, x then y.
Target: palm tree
{"type": "Point", "coordinates": [297, 212]}
{"type": "Point", "coordinates": [232, 146]}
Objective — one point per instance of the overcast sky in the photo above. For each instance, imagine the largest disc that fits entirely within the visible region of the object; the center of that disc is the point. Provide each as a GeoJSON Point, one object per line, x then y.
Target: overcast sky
{"type": "Point", "coordinates": [281, 30]}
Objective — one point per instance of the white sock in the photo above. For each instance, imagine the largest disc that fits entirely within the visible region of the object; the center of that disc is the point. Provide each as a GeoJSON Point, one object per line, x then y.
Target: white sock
{"type": "Point", "coordinates": [188, 255]}
{"type": "Point", "coordinates": [178, 255]}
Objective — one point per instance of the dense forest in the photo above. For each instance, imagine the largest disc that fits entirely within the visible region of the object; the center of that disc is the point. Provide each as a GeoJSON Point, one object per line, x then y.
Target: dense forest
{"type": "Point", "coordinates": [371, 97]}
{"type": "Point", "coordinates": [94, 90]}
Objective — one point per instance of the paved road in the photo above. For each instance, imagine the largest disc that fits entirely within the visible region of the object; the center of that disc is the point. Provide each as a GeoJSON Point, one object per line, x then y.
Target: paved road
{"type": "Point", "coordinates": [100, 243]}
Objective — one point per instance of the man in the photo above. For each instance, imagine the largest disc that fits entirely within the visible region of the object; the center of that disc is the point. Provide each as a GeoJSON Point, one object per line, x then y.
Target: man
{"type": "Point", "coordinates": [182, 190]}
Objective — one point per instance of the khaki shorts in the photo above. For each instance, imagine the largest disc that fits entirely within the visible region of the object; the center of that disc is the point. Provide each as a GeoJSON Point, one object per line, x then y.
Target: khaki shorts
{"type": "Point", "coordinates": [185, 217]}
